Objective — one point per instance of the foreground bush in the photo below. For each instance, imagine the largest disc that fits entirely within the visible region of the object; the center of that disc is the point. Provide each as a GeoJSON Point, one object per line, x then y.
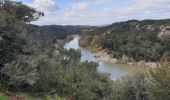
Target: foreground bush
{"type": "Point", "coordinates": [159, 85]}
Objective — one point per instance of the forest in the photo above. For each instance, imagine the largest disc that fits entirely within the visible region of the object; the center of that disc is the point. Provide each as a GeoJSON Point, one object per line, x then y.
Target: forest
{"type": "Point", "coordinates": [147, 40]}
{"type": "Point", "coordinates": [26, 69]}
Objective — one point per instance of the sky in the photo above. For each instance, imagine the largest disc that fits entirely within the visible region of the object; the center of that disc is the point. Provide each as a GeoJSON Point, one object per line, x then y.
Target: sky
{"type": "Point", "coordinates": [98, 12]}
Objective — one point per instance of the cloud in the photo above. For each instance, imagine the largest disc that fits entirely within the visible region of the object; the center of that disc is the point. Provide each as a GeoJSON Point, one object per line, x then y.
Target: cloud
{"type": "Point", "coordinates": [104, 1]}
{"type": "Point", "coordinates": [89, 13]}
{"type": "Point", "coordinates": [146, 6]}
{"type": "Point", "coordinates": [80, 6]}
{"type": "Point", "coordinates": [45, 5]}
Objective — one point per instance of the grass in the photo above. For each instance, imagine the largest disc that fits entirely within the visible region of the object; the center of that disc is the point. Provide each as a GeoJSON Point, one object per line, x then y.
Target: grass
{"type": "Point", "coordinates": [2, 97]}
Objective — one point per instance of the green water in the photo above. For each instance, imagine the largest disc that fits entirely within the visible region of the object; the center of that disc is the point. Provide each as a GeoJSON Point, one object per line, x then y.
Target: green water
{"type": "Point", "coordinates": [115, 70]}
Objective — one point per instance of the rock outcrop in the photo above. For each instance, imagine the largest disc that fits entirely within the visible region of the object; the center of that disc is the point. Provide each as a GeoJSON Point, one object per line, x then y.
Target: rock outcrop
{"type": "Point", "coordinates": [104, 56]}
{"type": "Point", "coordinates": [165, 31]}
{"type": "Point", "coordinates": [149, 27]}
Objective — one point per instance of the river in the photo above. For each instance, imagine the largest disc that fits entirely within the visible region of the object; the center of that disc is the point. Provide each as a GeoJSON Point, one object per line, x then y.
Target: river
{"type": "Point", "coordinates": [115, 70]}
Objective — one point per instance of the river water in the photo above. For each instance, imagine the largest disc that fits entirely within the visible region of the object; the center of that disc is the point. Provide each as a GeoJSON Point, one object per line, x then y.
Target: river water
{"type": "Point", "coordinates": [115, 70]}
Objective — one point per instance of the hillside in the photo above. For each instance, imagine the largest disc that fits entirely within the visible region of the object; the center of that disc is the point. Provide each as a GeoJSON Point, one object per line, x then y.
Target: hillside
{"type": "Point", "coordinates": [45, 36]}
{"type": "Point", "coordinates": [147, 40]}
{"type": "Point", "coordinates": [28, 72]}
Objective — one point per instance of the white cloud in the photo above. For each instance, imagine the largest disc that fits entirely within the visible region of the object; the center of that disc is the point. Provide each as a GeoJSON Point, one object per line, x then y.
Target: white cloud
{"type": "Point", "coordinates": [84, 13]}
{"type": "Point", "coordinates": [104, 1]}
{"type": "Point", "coordinates": [45, 5]}
{"type": "Point", "coordinates": [80, 6]}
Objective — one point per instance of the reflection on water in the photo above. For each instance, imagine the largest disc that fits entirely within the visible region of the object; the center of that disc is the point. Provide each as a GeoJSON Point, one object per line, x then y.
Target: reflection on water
{"type": "Point", "coordinates": [115, 70]}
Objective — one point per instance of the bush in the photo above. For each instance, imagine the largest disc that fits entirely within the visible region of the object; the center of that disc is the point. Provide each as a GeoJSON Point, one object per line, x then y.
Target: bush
{"type": "Point", "coordinates": [159, 82]}
{"type": "Point", "coordinates": [22, 72]}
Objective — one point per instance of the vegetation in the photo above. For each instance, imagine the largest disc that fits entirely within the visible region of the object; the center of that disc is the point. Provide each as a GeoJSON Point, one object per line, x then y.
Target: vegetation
{"type": "Point", "coordinates": [45, 36]}
{"type": "Point", "coordinates": [12, 18]}
{"type": "Point", "coordinates": [2, 97]}
{"type": "Point", "coordinates": [159, 82]}
{"type": "Point", "coordinates": [23, 69]}
{"type": "Point", "coordinates": [139, 40]}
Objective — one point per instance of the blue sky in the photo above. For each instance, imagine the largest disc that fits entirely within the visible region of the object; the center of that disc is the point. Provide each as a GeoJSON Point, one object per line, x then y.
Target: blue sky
{"type": "Point", "coordinates": [98, 12]}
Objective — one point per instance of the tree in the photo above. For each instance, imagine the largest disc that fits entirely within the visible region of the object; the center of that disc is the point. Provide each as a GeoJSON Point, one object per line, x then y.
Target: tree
{"type": "Point", "coordinates": [22, 72]}
{"type": "Point", "coordinates": [48, 72]}
{"type": "Point", "coordinates": [13, 16]}
{"type": "Point", "coordinates": [83, 82]}
{"type": "Point", "coordinates": [21, 12]}
{"type": "Point", "coordinates": [11, 46]}
{"type": "Point", "coordinates": [71, 57]}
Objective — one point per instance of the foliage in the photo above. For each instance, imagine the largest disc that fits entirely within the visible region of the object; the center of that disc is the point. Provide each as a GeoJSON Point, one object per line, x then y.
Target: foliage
{"type": "Point", "coordinates": [12, 46]}
{"type": "Point", "coordinates": [159, 85]}
{"type": "Point", "coordinates": [66, 75]}
{"type": "Point", "coordinates": [12, 42]}
{"type": "Point", "coordinates": [131, 88]}
{"type": "Point", "coordinates": [21, 72]}
{"type": "Point", "coordinates": [136, 39]}
{"type": "Point", "coordinates": [45, 36]}
{"type": "Point", "coordinates": [79, 81]}
{"type": "Point", "coordinates": [71, 57]}
{"type": "Point", "coordinates": [21, 12]}
{"type": "Point", "coordinates": [83, 82]}
{"type": "Point", "coordinates": [47, 76]}
{"type": "Point", "coordinates": [154, 86]}
{"type": "Point", "coordinates": [48, 70]}
{"type": "Point", "coordinates": [4, 81]}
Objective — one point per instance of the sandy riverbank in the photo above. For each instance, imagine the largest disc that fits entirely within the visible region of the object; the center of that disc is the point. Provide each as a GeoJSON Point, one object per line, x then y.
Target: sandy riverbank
{"type": "Point", "coordinates": [103, 56]}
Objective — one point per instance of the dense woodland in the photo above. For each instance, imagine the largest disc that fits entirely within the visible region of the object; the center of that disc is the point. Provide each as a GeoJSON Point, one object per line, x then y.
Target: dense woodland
{"type": "Point", "coordinates": [26, 70]}
{"type": "Point", "coordinates": [139, 40]}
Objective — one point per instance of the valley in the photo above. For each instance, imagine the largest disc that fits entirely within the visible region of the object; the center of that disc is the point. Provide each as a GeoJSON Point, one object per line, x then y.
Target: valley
{"type": "Point", "coordinates": [125, 60]}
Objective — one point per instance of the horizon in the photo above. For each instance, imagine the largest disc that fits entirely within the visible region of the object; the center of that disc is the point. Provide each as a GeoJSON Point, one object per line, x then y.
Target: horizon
{"type": "Point", "coordinates": [103, 24]}
{"type": "Point", "coordinates": [98, 12]}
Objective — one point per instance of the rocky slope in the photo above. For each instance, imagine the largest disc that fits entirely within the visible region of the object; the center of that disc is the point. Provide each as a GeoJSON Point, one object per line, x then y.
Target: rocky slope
{"type": "Point", "coordinates": [143, 43]}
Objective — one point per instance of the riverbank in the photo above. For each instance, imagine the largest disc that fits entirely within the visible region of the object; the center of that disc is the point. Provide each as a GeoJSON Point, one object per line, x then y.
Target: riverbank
{"type": "Point", "coordinates": [102, 55]}
{"type": "Point", "coordinates": [113, 69]}
{"type": "Point", "coordinates": [92, 43]}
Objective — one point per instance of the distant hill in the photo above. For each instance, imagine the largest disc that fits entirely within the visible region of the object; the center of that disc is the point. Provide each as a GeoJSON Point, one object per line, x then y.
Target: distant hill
{"type": "Point", "coordinates": [44, 36]}
{"type": "Point", "coordinates": [133, 25]}
{"type": "Point", "coordinates": [139, 40]}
